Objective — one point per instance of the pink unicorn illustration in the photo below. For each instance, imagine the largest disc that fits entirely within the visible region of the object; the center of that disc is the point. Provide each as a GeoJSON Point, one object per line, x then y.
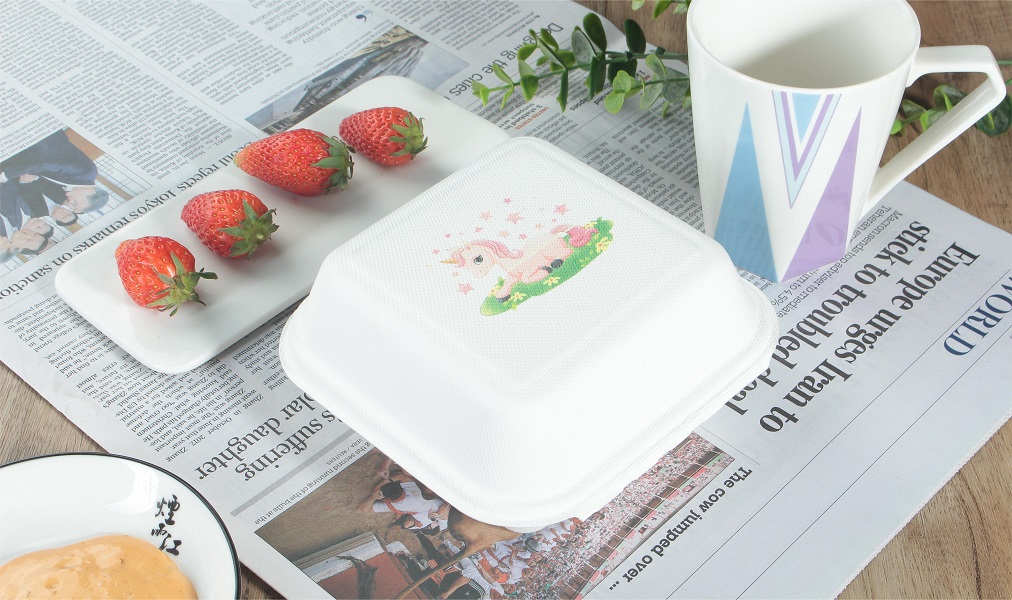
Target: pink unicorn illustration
{"type": "Point", "coordinates": [535, 261]}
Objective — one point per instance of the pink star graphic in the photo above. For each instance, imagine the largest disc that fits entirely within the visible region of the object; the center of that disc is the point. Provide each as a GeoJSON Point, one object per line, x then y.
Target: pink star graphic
{"type": "Point", "coordinates": [485, 215]}
{"type": "Point", "coordinates": [456, 273]}
{"type": "Point", "coordinates": [478, 229]}
{"type": "Point", "coordinates": [436, 251]}
{"type": "Point", "coordinates": [561, 209]}
{"type": "Point", "coordinates": [464, 288]}
{"type": "Point", "coordinates": [523, 236]}
{"type": "Point", "coordinates": [446, 235]}
{"type": "Point", "coordinates": [507, 200]}
{"type": "Point", "coordinates": [514, 218]}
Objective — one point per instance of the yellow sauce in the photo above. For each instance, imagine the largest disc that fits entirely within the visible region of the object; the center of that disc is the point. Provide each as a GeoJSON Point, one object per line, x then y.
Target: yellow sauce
{"type": "Point", "coordinates": [112, 566]}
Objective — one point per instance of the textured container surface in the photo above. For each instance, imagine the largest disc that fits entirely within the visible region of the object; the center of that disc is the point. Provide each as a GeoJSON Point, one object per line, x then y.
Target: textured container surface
{"type": "Point", "coordinates": [527, 336]}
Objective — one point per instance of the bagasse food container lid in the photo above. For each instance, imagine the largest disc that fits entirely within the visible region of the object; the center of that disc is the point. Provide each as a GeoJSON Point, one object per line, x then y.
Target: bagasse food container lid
{"type": "Point", "coordinates": [527, 336]}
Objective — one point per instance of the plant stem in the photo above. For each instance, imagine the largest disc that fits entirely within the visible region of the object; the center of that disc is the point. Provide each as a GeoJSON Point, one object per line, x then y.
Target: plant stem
{"type": "Point", "coordinates": [664, 56]}
{"type": "Point", "coordinates": [660, 81]}
{"type": "Point", "coordinates": [541, 76]}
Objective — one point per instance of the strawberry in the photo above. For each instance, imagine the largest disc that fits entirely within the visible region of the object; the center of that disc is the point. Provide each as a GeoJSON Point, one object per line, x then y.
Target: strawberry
{"type": "Point", "coordinates": [157, 272]}
{"type": "Point", "coordinates": [232, 223]}
{"type": "Point", "coordinates": [388, 135]}
{"type": "Point", "coordinates": [301, 161]}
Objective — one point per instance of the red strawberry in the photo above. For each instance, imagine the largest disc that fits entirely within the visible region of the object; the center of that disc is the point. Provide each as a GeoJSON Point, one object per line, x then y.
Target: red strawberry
{"type": "Point", "coordinates": [301, 161]}
{"type": "Point", "coordinates": [232, 223]}
{"type": "Point", "coordinates": [157, 272]}
{"type": "Point", "coordinates": [389, 135]}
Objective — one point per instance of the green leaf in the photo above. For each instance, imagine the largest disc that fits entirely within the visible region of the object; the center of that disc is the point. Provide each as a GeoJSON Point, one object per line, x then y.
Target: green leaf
{"type": "Point", "coordinates": [568, 58]}
{"type": "Point", "coordinates": [629, 67]}
{"type": "Point", "coordinates": [613, 101]}
{"type": "Point", "coordinates": [547, 37]}
{"type": "Point", "coordinates": [528, 80]}
{"type": "Point", "coordinates": [930, 116]}
{"type": "Point", "coordinates": [623, 83]}
{"type": "Point", "coordinates": [650, 94]}
{"type": "Point", "coordinates": [656, 66]}
{"type": "Point", "coordinates": [501, 74]}
{"type": "Point", "coordinates": [480, 90]}
{"type": "Point", "coordinates": [526, 51]}
{"type": "Point", "coordinates": [682, 7]}
{"type": "Point", "coordinates": [660, 6]}
{"type": "Point", "coordinates": [583, 49]}
{"type": "Point", "coordinates": [674, 90]}
{"type": "Point", "coordinates": [998, 120]}
{"type": "Point", "coordinates": [596, 80]}
{"type": "Point", "coordinates": [613, 69]}
{"type": "Point", "coordinates": [911, 109]}
{"type": "Point", "coordinates": [635, 40]}
{"type": "Point", "coordinates": [563, 96]}
{"type": "Point", "coordinates": [897, 127]}
{"type": "Point", "coordinates": [507, 94]}
{"type": "Point", "coordinates": [637, 4]}
{"type": "Point", "coordinates": [947, 96]}
{"type": "Point", "coordinates": [595, 31]}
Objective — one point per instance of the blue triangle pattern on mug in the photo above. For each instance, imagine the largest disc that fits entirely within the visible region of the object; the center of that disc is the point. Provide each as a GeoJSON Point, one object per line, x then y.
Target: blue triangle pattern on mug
{"type": "Point", "coordinates": [802, 121]}
{"type": "Point", "coordinates": [741, 226]}
{"type": "Point", "coordinates": [804, 109]}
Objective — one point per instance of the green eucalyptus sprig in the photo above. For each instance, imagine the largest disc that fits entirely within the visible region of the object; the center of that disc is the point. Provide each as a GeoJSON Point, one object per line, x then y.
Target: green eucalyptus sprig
{"type": "Point", "coordinates": [589, 54]}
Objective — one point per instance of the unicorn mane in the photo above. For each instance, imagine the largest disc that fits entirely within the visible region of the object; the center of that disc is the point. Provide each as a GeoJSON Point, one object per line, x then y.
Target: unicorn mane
{"type": "Point", "coordinates": [500, 249]}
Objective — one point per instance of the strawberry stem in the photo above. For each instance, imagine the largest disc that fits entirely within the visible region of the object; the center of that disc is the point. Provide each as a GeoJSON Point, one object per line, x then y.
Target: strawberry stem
{"type": "Point", "coordinates": [180, 288]}
{"type": "Point", "coordinates": [411, 135]}
{"type": "Point", "coordinates": [253, 231]}
{"type": "Point", "coordinates": [339, 160]}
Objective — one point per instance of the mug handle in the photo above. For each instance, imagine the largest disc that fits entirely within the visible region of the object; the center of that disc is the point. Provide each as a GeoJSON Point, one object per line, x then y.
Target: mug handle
{"type": "Point", "coordinates": [946, 59]}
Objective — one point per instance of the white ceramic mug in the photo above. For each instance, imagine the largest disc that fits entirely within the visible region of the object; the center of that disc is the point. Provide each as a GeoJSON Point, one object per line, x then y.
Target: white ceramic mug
{"type": "Point", "coordinates": [792, 103]}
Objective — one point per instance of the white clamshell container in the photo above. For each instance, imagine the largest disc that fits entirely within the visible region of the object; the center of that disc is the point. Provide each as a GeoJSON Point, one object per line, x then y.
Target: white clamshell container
{"type": "Point", "coordinates": [527, 336]}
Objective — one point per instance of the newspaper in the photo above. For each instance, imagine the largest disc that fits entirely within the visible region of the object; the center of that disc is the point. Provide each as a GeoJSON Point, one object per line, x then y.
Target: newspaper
{"type": "Point", "coordinates": [887, 376]}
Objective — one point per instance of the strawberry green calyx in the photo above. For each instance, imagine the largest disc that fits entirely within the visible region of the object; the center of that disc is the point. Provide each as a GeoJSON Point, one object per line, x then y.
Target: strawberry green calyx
{"type": "Point", "coordinates": [411, 135]}
{"type": "Point", "coordinates": [181, 288]}
{"type": "Point", "coordinates": [339, 159]}
{"type": "Point", "coordinates": [252, 231]}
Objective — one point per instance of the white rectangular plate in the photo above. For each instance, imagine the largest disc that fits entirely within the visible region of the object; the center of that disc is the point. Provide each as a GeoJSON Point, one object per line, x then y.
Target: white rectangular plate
{"type": "Point", "coordinates": [248, 293]}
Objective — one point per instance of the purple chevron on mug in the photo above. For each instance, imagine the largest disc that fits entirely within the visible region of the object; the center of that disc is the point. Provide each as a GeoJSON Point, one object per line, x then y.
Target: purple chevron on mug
{"type": "Point", "coordinates": [792, 103]}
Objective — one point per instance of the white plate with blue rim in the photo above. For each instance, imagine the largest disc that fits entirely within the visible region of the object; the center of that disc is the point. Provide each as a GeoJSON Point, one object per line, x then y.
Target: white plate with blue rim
{"type": "Point", "coordinates": [60, 499]}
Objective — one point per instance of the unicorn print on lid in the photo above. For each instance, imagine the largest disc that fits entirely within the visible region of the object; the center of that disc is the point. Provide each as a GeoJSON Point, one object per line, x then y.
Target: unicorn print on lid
{"type": "Point", "coordinates": [542, 263]}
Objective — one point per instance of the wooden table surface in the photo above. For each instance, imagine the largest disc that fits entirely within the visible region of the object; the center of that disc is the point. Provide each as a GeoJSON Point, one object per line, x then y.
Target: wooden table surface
{"type": "Point", "coordinates": [960, 544]}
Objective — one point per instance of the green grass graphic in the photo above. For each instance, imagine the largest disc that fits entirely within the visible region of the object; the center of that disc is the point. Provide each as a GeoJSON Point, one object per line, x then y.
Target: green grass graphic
{"type": "Point", "coordinates": [580, 258]}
